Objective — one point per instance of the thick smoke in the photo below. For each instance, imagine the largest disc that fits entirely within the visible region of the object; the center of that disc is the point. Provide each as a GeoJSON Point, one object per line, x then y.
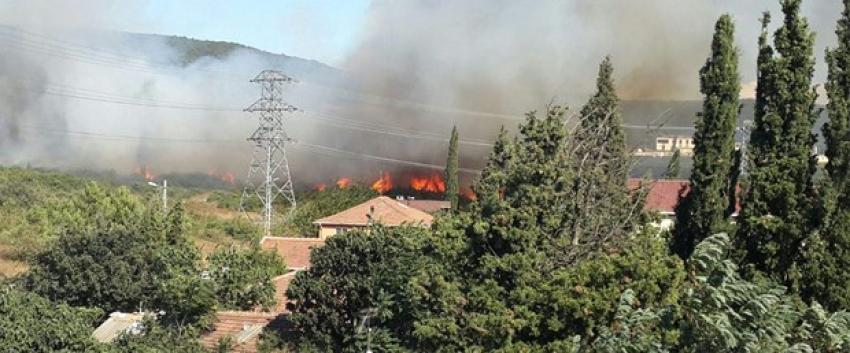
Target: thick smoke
{"type": "Point", "coordinates": [418, 66]}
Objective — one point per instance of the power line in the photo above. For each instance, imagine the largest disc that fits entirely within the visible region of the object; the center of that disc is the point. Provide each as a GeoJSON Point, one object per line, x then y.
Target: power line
{"type": "Point", "coordinates": [327, 150]}
{"type": "Point", "coordinates": [98, 56]}
{"type": "Point", "coordinates": [322, 118]}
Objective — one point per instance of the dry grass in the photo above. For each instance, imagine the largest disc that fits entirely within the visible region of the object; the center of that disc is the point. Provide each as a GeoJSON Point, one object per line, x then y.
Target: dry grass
{"type": "Point", "coordinates": [8, 265]}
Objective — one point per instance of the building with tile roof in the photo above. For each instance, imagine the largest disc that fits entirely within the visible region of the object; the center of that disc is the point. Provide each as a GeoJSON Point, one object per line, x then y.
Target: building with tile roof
{"type": "Point", "coordinates": [427, 206]}
{"type": "Point", "coordinates": [663, 197]}
{"type": "Point", "coordinates": [241, 328]}
{"type": "Point", "coordinates": [295, 251]}
{"type": "Point", "coordinates": [382, 209]}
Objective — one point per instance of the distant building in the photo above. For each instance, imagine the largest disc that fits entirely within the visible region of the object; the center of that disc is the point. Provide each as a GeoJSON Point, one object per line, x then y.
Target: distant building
{"type": "Point", "coordinates": [663, 197]}
{"type": "Point", "coordinates": [117, 324]}
{"type": "Point", "coordinates": [382, 209]}
{"type": "Point", "coordinates": [684, 144]}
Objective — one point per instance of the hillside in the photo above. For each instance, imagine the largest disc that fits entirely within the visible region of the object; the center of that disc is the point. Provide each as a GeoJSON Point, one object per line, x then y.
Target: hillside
{"type": "Point", "coordinates": [191, 50]}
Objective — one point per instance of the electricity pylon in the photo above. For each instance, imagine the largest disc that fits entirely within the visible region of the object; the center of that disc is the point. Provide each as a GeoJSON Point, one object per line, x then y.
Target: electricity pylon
{"type": "Point", "coordinates": [269, 175]}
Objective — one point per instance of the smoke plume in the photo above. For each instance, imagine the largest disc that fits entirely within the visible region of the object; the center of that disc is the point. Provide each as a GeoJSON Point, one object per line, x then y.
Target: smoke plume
{"type": "Point", "coordinates": [418, 68]}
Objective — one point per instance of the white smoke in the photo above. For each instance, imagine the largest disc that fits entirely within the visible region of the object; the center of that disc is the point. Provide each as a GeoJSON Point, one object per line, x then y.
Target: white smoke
{"type": "Point", "coordinates": [418, 65]}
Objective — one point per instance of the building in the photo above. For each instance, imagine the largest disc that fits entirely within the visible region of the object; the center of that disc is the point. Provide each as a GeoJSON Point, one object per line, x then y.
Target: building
{"type": "Point", "coordinates": [382, 209]}
{"type": "Point", "coordinates": [663, 197]}
{"type": "Point", "coordinates": [427, 206]}
{"type": "Point", "coordinates": [117, 324]}
{"type": "Point", "coordinates": [241, 328]}
{"type": "Point", "coordinates": [683, 144]}
{"type": "Point", "coordinates": [295, 251]}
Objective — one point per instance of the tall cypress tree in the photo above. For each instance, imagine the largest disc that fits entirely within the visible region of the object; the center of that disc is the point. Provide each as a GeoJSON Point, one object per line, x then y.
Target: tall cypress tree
{"type": "Point", "coordinates": [777, 214]}
{"type": "Point", "coordinates": [702, 212]}
{"type": "Point", "coordinates": [837, 130]}
{"type": "Point", "coordinates": [673, 166]}
{"type": "Point", "coordinates": [452, 187]}
{"type": "Point", "coordinates": [828, 255]}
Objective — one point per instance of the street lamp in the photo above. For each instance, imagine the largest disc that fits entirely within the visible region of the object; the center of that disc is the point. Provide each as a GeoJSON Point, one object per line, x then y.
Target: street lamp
{"type": "Point", "coordinates": [164, 194]}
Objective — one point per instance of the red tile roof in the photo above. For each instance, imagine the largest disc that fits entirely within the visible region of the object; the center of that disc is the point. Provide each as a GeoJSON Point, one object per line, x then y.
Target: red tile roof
{"type": "Point", "coordinates": [243, 327]}
{"type": "Point", "coordinates": [382, 209]}
{"type": "Point", "coordinates": [295, 251]}
{"type": "Point", "coordinates": [664, 194]}
{"type": "Point", "coordinates": [281, 284]}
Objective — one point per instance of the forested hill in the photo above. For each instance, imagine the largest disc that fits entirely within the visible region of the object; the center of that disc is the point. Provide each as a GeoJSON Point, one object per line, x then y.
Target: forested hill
{"type": "Point", "coordinates": [191, 50]}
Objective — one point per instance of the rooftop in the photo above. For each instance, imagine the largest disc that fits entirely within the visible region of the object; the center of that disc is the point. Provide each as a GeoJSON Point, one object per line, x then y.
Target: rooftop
{"type": "Point", "coordinates": [428, 206]}
{"type": "Point", "coordinates": [242, 327]}
{"type": "Point", "coordinates": [116, 324]}
{"type": "Point", "coordinates": [383, 210]}
{"type": "Point", "coordinates": [295, 251]}
{"type": "Point", "coordinates": [663, 195]}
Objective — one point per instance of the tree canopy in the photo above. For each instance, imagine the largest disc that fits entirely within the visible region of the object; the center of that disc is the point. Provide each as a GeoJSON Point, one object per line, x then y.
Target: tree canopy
{"type": "Point", "coordinates": [703, 211]}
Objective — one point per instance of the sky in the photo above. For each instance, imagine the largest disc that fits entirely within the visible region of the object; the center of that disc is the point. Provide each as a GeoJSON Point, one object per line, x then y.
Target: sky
{"type": "Point", "coordinates": [318, 29]}
{"type": "Point", "coordinates": [323, 30]}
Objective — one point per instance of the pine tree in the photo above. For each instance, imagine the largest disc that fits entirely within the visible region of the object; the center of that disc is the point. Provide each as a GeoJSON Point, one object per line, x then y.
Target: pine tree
{"type": "Point", "coordinates": [828, 255]}
{"type": "Point", "coordinates": [702, 211]}
{"type": "Point", "coordinates": [673, 167]}
{"type": "Point", "coordinates": [452, 184]}
{"type": "Point", "coordinates": [601, 120]}
{"type": "Point", "coordinates": [601, 162]}
{"type": "Point", "coordinates": [777, 213]}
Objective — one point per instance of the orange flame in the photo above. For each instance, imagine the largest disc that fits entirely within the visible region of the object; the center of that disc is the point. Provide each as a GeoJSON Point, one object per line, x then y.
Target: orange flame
{"type": "Point", "coordinates": [320, 187]}
{"type": "Point", "coordinates": [227, 177]}
{"type": "Point", "coordinates": [383, 184]}
{"type": "Point", "coordinates": [145, 173]}
{"type": "Point", "coordinates": [433, 183]}
{"type": "Point", "coordinates": [343, 183]}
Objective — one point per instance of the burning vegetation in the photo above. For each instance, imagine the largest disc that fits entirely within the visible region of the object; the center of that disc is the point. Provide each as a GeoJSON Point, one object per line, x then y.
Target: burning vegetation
{"type": "Point", "coordinates": [384, 184]}
{"type": "Point", "coordinates": [433, 183]}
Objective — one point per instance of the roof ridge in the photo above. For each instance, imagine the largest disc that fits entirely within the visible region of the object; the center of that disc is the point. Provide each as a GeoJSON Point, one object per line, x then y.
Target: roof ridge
{"type": "Point", "coordinates": [403, 211]}
{"type": "Point", "coordinates": [248, 313]}
{"type": "Point", "coordinates": [304, 239]}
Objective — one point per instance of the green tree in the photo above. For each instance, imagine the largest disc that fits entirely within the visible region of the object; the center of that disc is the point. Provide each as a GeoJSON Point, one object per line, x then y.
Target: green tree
{"type": "Point", "coordinates": [530, 220]}
{"type": "Point", "coordinates": [601, 120]}
{"type": "Point", "coordinates": [599, 164]}
{"type": "Point", "coordinates": [452, 183]}
{"type": "Point", "coordinates": [243, 278]}
{"type": "Point", "coordinates": [722, 312]}
{"type": "Point", "coordinates": [117, 259]}
{"type": "Point", "coordinates": [351, 273]}
{"type": "Point", "coordinates": [673, 166]}
{"type": "Point", "coordinates": [836, 131]}
{"type": "Point", "coordinates": [30, 323]}
{"type": "Point", "coordinates": [703, 210]}
{"type": "Point", "coordinates": [828, 254]}
{"type": "Point", "coordinates": [778, 212]}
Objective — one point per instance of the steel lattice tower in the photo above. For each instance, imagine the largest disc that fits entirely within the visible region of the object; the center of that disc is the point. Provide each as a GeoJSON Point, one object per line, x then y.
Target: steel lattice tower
{"type": "Point", "coordinates": [269, 175]}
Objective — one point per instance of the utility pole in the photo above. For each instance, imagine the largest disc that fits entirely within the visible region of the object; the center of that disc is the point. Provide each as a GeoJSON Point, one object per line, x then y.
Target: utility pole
{"type": "Point", "coordinates": [268, 174]}
{"type": "Point", "coordinates": [365, 317]}
{"type": "Point", "coordinates": [164, 194]}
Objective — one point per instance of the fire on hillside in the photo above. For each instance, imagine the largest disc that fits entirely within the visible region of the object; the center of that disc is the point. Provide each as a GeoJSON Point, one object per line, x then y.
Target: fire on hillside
{"type": "Point", "coordinates": [417, 183]}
